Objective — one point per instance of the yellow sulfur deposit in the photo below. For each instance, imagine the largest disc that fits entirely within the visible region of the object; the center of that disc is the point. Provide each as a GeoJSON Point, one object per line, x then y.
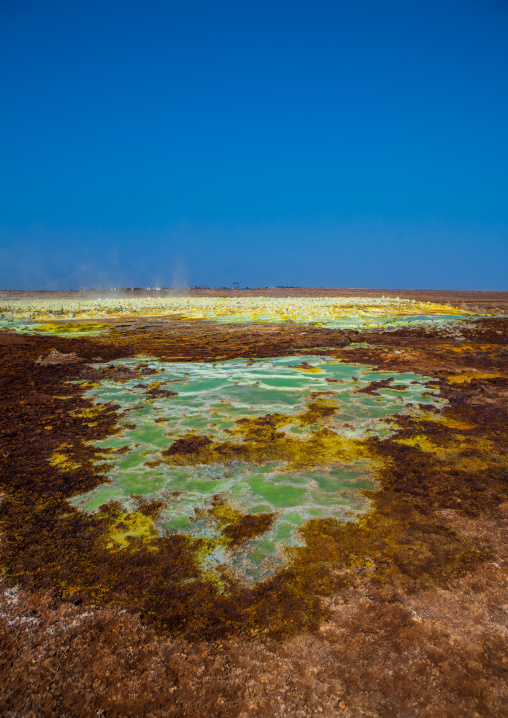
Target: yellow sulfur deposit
{"type": "Point", "coordinates": [61, 459]}
{"type": "Point", "coordinates": [130, 525]}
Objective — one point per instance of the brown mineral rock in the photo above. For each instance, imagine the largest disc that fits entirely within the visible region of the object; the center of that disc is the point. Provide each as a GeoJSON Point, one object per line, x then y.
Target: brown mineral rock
{"type": "Point", "coordinates": [56, 357]}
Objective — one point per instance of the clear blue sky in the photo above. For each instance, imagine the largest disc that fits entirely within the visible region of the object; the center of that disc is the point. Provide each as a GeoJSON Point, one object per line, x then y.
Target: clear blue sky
{"type": "Point", "coordinates": [359, 143]}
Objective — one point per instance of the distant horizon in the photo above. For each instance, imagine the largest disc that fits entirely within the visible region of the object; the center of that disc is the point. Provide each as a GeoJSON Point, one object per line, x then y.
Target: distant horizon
{"type": "Point", "coordinates": [100, 290]}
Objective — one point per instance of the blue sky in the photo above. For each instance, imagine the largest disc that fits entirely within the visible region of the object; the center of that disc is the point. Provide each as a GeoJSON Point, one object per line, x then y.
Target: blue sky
{"type": "Point", "coordinates": [353, 144]}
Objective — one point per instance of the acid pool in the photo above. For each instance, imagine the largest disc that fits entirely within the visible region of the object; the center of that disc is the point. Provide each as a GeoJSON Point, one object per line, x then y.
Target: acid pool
{"type": "Point", "coordinates": [209, 399]}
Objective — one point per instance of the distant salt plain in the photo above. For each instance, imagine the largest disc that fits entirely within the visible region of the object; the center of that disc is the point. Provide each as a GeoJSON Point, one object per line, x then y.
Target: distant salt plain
{"type": "Point", "coordinates": [333, 312]}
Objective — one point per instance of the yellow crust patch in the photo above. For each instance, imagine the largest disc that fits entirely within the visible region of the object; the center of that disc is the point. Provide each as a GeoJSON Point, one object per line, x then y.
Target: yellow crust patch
{"type": "Point", "coordinates": [127, 525]}
{"type": "Point", "coordinates": [63, 462]}
{"type": "Point", "coordinates": [88, 412]}
{"type": "Point", "coordinates": [71, 328]}
{"type": "Point", "coordinates": [321, 448]}
{"type": "Point", "coordinates": [468, 376]}
{"type": "Point", "coordinates": [447, 421]}
{"type": "Point", "coordinates": [424, 444]}
{"type": "Point", "coordinates": [61, 459]}
{"type": "Point", "coordinates": [308, 369]}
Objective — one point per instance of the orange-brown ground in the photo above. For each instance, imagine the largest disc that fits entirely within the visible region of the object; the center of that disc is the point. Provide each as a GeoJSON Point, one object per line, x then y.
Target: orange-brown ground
{"type": "Point", "coordinates": [404, 613]}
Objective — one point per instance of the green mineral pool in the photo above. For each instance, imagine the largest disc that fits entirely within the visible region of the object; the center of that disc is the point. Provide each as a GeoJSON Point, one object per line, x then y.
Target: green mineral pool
{"type": "Point", "coordinates": [209, 399]}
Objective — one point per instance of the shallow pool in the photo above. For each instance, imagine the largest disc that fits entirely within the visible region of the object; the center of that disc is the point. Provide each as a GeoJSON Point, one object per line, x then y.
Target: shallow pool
{"type": "Point", "coordinates": [211, 400]}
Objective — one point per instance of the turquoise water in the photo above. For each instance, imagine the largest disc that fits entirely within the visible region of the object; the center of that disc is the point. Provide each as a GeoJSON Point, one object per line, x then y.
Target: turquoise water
{"type": "Point", "coordinates": [210, 398]}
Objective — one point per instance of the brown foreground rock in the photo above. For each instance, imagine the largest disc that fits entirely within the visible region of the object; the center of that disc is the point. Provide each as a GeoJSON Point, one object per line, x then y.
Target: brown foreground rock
{"type": "Point", "coordinates": [56, 357]}
{"type": "Point", "coordinates": [441, 653]}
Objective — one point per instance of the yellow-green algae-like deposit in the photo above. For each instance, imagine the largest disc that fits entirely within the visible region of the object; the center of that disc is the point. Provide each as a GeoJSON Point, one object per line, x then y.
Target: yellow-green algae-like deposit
{"type": "Point", "coordinates": [280, 439]}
